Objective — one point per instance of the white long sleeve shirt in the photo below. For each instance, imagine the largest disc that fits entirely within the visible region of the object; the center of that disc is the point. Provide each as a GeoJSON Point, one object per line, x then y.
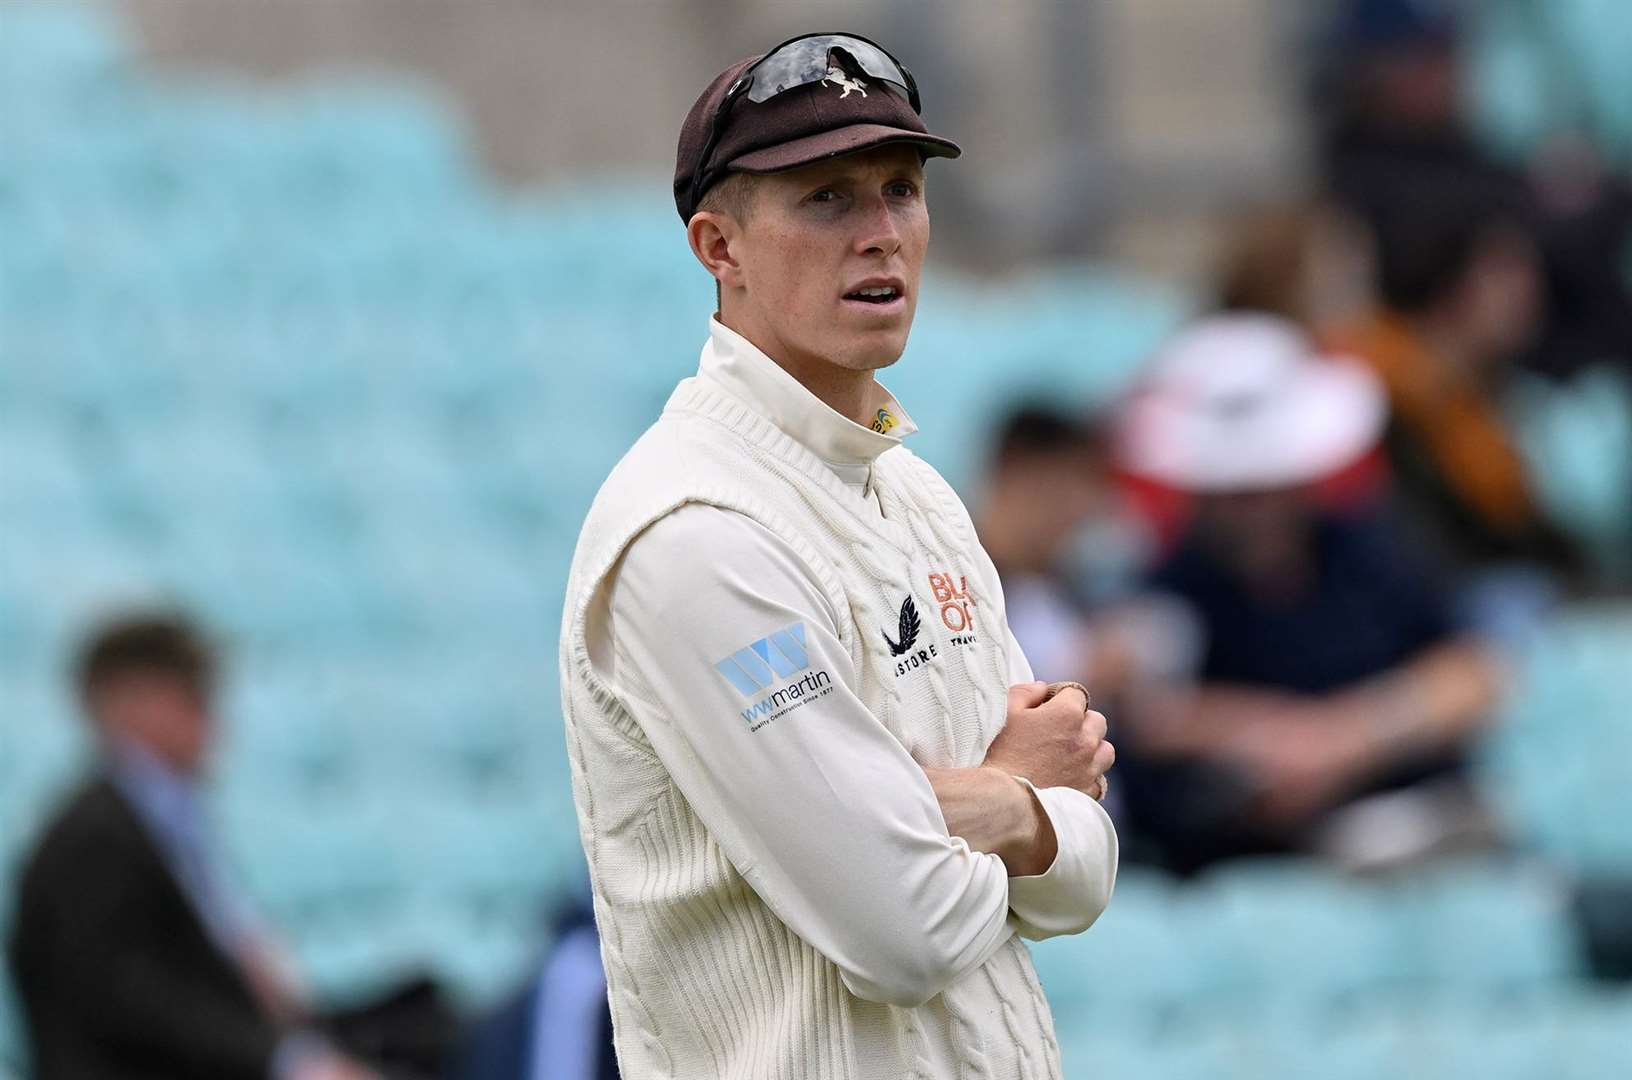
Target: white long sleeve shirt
{"type": "Point", "coordinates": [811, 797]}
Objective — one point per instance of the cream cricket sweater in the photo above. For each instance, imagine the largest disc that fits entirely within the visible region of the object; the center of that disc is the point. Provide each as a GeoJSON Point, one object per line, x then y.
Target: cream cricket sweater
{"type": "Point", "coordinates": [775, 618]}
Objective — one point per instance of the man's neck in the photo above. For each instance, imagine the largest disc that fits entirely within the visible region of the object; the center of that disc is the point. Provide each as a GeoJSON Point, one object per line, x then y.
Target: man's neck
{"type": "Point", "coordinates": [847, 392]}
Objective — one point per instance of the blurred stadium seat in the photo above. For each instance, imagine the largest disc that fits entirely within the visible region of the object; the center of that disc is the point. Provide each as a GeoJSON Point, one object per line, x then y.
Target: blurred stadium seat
{"type": "Point", "coordinates": [1578, 439]}
{"type": "Point", "coordinates": [1569, 708]}
{"type": "Point", "coordinates": [1539, 69]}
{"type": "Point", "coordinates": [289, 360]}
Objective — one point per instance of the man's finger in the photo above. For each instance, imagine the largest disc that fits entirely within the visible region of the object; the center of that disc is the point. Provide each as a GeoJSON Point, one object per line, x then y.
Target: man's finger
{"type": "Point", "coordinates": [1104, 758]}
{"type": "Point", "coordinates": [1059, 688]}
{"type": "Point", "coordinates": [1027, 695]}
{"type": "Point", "coordinates": [1094, 726]}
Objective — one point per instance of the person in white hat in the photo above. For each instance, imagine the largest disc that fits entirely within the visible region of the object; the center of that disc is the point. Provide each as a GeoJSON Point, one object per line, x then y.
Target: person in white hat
{"type": "Point", "coordinates": [1332, 667]}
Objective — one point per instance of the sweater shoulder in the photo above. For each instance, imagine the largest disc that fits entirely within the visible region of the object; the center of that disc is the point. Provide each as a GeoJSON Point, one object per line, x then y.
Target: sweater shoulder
{"type": "Point", "coordinates": [677, 456]}
{"type": "Point", "coordinates": [927, 484]}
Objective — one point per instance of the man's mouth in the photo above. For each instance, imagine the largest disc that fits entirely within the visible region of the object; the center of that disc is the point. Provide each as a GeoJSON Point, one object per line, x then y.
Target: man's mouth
{"type": "Point", "coordinates": [875, 294]}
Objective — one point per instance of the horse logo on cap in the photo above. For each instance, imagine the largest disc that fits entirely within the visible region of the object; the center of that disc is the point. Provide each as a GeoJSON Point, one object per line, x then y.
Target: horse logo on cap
{"type": "Point", "coordinates": [839, 78]}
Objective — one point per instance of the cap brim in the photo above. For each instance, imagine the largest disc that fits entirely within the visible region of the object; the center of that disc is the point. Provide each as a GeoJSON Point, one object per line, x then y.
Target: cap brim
{"type": "Point", "coordinates": [845, 140]}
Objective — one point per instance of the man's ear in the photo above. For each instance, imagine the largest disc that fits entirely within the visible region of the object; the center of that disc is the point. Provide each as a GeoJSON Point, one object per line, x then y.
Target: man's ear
{"type": "Point", "coordinates": [713, 237]}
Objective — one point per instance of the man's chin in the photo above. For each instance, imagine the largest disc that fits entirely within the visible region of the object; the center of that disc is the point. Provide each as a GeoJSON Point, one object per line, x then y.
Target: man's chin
{"type": "Point", "coordinates": [871, 351]}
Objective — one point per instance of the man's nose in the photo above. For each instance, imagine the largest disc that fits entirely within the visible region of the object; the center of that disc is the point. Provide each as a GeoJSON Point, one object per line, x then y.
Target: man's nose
{"type": "Point", "coordinates": [879, 234]}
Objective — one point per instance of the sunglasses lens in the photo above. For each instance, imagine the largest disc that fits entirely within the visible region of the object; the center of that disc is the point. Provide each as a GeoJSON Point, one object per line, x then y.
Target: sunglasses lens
{"type": "Point", "coordinates": [810, 60]}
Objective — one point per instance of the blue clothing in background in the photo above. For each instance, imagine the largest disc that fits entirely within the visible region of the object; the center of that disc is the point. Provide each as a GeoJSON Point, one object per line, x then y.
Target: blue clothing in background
{"type": "Point", "coordinates": [559, 1027]}
{"type": "Point", "coordinates": [1371, 607]}
{"type": "Point", "coordinates": [170, 806]}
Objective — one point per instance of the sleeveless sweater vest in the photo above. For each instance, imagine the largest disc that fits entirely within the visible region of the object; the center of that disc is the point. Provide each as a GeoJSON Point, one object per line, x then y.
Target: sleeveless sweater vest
{"type": "Point", "coordinates": [665, 896]}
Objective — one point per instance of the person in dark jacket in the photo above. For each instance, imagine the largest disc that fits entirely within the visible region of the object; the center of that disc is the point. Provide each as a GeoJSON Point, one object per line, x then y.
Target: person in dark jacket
{"type": "Point", "coordinates": [132, 956]}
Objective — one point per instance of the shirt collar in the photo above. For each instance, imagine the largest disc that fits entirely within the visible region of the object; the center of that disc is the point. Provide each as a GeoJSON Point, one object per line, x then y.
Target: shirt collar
{"type": "Point", "coordinates": [736, 365]}
{"type": "Point", "coordinates": [166, 798]}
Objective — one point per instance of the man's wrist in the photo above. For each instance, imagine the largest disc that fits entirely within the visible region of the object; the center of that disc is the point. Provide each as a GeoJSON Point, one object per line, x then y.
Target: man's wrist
{"type": "Point", "coordinates": [1034, 845]}
{"type": "Point", "coordinates": [1387, 718]}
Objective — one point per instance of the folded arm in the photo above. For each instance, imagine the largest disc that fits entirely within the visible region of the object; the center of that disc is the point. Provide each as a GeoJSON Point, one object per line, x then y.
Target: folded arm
{"type": "Point", "coordinates": [1058, 844]}
{"type": "Point", "coordinates": [727, 652]}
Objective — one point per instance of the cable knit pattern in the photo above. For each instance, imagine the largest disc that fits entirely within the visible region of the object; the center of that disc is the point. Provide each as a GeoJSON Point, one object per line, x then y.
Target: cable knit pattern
{"type": "Point", "coordinates": [706, 983]}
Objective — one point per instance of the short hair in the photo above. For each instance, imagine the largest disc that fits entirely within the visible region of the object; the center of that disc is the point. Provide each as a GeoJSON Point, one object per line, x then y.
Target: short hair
{"type": "Point", "coordinates": [1265, 261]}
{"type": "Point", "coordinates": [733, 196]}
{"type": "Point", "coordinates": [1034, 430]}
{"type": "Point", "coordinates": [164, 643]}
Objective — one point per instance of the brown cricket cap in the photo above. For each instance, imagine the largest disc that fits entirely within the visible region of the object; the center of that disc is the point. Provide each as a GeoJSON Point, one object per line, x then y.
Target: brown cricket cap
{"type": "Point", "coordinates": [793, 128]}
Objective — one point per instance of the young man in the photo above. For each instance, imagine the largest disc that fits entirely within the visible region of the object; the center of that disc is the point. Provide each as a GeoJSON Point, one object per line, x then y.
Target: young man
{"type": "Point", "coordinates": [132, 955]}
{"type": "Point", "coordinates": [817, 814]}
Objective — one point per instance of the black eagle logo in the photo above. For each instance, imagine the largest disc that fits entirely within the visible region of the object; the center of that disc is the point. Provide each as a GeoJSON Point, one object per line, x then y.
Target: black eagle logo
{"type": "Point", "coordinates": [908, 629]}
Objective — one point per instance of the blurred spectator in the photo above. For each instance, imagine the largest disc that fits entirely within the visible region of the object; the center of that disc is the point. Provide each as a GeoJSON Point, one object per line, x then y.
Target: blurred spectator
{"type": "Point", "coordinates": [1047, 479]}
{"type": "Point", "coordinates": [1335, 684]}
{"type": "Point", "coordinates": [560, 1026]}
{"type": "Point", "coordinates": [131, 953]}
{"type": "Point", "coordinates": [1459, 296]}
{"type": "Point", "coordinates": [1070, 556]}
{"type": "Point", "coordinates": [1395, 140]}
{"type": "Point", "coordinates": [1308, 262]}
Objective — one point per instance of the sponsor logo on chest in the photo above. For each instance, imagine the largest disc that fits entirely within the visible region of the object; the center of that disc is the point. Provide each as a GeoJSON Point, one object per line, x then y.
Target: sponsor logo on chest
{"type": "Point", "coordinates": [957, 606]}
{"type": "Point", "coordinates": [912, 648]}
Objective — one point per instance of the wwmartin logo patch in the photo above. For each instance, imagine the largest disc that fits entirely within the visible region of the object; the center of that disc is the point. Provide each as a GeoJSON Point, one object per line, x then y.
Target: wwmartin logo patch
{"type": "Point", "coordinates": [769, 662]}
{"type": "Point", "coordinates": [755, 666]}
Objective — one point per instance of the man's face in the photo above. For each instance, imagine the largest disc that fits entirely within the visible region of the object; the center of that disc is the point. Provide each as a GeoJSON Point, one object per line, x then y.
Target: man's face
{"type": "Point", "coordinates": [1255, 531]}
{"type": "Point", "coordinates": [1055, 493]}
{"type": "Point", "coordinates": [159, 711]}
{"type": "Point", "coordinates": [818, 235]}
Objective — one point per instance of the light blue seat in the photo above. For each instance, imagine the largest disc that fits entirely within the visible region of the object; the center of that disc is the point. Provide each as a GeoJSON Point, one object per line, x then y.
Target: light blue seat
{"type": "Point", "coordinates": [283, 737]}
{"type": "Point", "coordinates": [1539, 69]}
{"type": "Point", "coordinates": [1588, 1033]}
{"type": "Point", "coordinates": [1490, 926]}
{"type": "Point", "coordinates": [52, 47]}
{"type": "Point", "coordinates": [1568, 705]}
{"type": "Point", "coordinates": [40, 473]}
{"type": "Point", "coordinates": [1137, 962]}
{"type": "Point", "coordinates": [1292, 927]}
{"type": "Point", "coordinates": [320, 868]}
{"type": "Point", "coordinates": [1577, 437]}
{"type": "Point", "coordinates": [1516, 1049]}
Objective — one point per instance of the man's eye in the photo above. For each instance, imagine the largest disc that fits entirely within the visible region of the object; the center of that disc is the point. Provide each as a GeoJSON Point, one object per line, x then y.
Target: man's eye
{"type": "Point", "coordinates": [824, 195]}
{"type": "Point", "coordinates": [903, 189]}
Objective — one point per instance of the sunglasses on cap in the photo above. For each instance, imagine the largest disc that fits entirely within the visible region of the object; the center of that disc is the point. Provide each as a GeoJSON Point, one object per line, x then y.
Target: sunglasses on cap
{"type": "Point", "coordinates": [802, 61]}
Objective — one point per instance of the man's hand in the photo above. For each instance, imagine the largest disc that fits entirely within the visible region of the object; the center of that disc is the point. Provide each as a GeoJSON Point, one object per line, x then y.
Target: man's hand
{"type": "Point", "coordinates": [1053, 742]}
{"type": "Point", "coordinates": [1306, 760]}
{"type": "Point", "coordinates": [993, 812]}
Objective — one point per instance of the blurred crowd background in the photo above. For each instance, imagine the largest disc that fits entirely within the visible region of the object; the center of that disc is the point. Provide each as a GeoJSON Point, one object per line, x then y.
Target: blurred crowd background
{"type": "Point", "coordinates": [1283, 351]}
